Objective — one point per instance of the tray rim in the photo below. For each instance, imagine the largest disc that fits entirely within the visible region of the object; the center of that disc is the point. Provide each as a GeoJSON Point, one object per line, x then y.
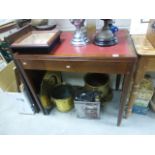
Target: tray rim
{"type": "Point", "coordinates": [49, 42]}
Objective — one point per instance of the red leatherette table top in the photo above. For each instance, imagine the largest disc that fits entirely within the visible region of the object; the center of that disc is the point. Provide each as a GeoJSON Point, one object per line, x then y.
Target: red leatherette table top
{"type": "Point", "coordinates": [119, 50]}
{"type": "Point", "coordinates": [66, 50]}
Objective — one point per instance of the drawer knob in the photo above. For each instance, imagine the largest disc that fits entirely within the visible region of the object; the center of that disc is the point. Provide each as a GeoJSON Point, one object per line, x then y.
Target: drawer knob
{"type": "Point", "coordinates": [24, 63]}
{"type": "Point", "coordinates": [68, 66]}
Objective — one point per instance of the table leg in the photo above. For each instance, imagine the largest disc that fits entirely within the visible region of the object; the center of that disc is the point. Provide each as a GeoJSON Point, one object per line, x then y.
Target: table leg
{"type": "Point", "coordinates": [118, 79]}
{"type": "Point", "coordinates": [124, 94]}
{"type": "Point", "coordinates": [138, 77]}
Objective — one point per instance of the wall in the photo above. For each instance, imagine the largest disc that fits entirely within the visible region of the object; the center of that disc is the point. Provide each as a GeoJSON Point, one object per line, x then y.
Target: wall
{"type": "Point", "coordinates": [65, 25]}
{"type": "Point", "coordinates": [137, 27]}
{"type": "Point", "coordinates": [133, 25]}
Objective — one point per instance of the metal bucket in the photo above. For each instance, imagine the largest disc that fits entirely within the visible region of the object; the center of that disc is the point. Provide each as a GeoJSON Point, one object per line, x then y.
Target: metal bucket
{"type": "Point", "coordinates": [98, 82]}
{"type": "Point", "coordinates": [62, 97]}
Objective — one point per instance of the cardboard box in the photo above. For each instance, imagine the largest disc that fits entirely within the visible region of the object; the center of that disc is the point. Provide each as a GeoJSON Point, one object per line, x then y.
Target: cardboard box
{"type": "Point", "coordinates": [140, 110]}
{"type": "Point", "coordinates": [9, 91]}
{"type": "Point", "coordinates": [8, 81]}
{"type": "Point", "coordinates": [3, 63]}
{"type": "Point", "coordinates": [141, 102]}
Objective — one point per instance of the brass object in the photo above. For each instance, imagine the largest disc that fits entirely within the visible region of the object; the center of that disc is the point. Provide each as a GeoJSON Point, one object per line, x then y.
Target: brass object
{"type": "Point", "coordinates": [62, 98]}
{"type": "Point", "coordinates": [64, 105]}
{"type": "Point", "coordinates": [98, 82]}
{"type": "Point", "coordinates": [49, 81]}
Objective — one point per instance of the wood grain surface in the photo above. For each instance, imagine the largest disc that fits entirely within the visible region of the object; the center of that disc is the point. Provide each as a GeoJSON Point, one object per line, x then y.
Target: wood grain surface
{"type": "Point", "coordinates": [143, 45]}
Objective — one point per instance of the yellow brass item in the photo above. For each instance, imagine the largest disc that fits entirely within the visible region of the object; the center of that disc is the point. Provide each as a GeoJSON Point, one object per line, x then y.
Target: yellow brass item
{"type": "Point", "coordinates": [50, 79]}
{"type": "Point", "coordinates": [64, 105]}
{"type": "Point", "coordinates": [62, 98]}
{"type": "Point", "coordinates": [97, 82]}
{"type": "Point", "coordinates": [45, 101]}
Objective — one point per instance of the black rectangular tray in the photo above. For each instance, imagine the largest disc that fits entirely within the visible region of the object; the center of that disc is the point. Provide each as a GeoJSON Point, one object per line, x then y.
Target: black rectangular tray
{"type": "Point", "coordinates": [36, 50]}
{"type": "Point", "coordinates": [17, 45]}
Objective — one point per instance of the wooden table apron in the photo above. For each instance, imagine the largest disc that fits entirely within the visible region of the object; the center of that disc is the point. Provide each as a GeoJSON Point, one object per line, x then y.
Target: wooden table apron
{"type": "Point", "coordinates": [104, 64]}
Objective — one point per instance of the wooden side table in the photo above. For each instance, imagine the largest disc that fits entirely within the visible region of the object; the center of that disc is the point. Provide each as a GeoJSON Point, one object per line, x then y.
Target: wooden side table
{"type": "Point", "coordinates": [145, 63]}
{"type": "Point", "coordinates": [118, 59]}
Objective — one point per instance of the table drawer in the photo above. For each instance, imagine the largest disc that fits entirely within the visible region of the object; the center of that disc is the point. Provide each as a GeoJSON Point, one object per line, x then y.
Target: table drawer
{"type": "Point", "coordinates": [77, 66]}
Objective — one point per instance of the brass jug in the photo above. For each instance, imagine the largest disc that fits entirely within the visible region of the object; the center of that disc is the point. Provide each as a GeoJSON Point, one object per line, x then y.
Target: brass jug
{"type": "Point", "coordinates": [50, 79]}
{"type": "Point", "coordinates": [98, 82]}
